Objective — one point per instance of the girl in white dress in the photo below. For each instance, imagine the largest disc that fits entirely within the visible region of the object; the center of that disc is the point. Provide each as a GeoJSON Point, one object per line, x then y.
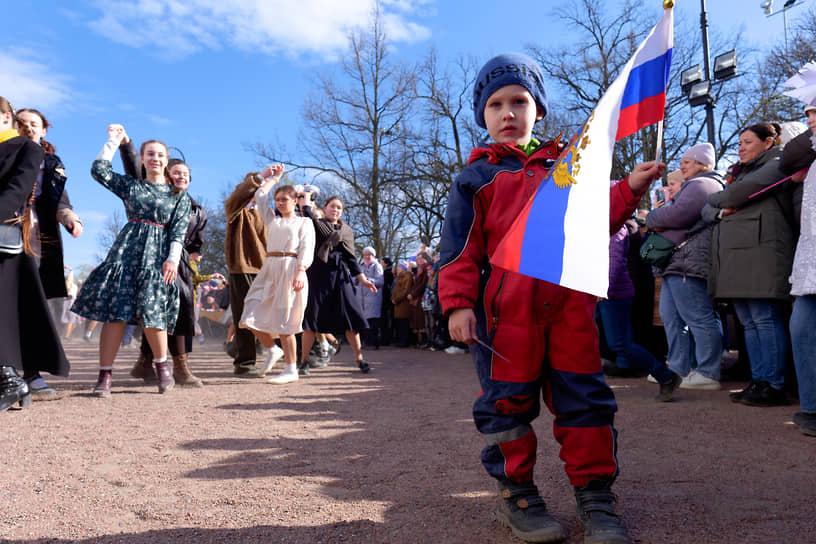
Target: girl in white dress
{"type": "Point", "coordinates": [274, 305]}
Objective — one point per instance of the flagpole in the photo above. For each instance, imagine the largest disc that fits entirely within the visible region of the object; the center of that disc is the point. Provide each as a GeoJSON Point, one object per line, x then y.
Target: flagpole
{"type": "Point", "coordinates": [659, 141]}
{"type": "Point", "coordinates": [667, 4]}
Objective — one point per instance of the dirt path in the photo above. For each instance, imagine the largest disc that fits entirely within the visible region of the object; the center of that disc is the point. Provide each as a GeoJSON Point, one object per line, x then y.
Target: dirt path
{"type": "Point", "coordinates": [388, 457]}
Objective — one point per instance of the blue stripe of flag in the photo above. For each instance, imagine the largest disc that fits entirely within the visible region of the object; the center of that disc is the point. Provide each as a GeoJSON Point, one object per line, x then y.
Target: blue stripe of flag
{"type": "Point", "coordinates": [542, 250]}
{"type": "Point", "coordinates": [647, 79]}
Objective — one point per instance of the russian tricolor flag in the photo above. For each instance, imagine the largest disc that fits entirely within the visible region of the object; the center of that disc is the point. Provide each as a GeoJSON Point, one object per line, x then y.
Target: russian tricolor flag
{"type": "Point", "coordinates": [562, 234]}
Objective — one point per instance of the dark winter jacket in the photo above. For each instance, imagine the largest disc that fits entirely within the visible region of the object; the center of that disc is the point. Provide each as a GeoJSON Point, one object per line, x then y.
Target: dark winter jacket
{"type": "Point", "coordinates": [752, 249]}
{"type": "Point", "coordinates": [797, 155]}
{"type": "Point", "coordinates": [20, 160]}
{"type": "Point", "coordinates": [620, 283]}
{"type": "Point", "coordinates": [680, 221]}
{"type": "Point", "coordinates": [52, 273]}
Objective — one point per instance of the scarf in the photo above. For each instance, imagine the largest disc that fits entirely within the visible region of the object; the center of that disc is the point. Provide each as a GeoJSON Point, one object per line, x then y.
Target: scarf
{"type": "Point", "coordinates": [8, 135]}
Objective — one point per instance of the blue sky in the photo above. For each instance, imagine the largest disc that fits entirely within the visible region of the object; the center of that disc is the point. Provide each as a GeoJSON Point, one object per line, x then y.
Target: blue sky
{"type": "Point", "coordinates": [211, 76]}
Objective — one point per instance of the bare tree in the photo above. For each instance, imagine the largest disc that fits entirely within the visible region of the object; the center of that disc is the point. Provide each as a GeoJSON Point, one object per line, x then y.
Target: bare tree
{"type": "Point", "coordinates": [441, 151]}
{"type": "Point", "coordinates": [781, 63]}
{"type": "Point", "coordinates": [356, 137]}
{"type": "Point", "coordinates": [110, 230]}
{"type": "Point", "coordinates": [213, 258]}
{"type": "Point", "coordinates": [605, 42]}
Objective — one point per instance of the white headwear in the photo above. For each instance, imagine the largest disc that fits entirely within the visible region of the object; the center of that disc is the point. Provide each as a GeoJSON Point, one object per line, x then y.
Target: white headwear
{"type": "Point", "coordinates": [792, 129]}
{"type": "Point", "coordinates": [702, 153]}
{"type": "Point", "coordinates": [803, 86]}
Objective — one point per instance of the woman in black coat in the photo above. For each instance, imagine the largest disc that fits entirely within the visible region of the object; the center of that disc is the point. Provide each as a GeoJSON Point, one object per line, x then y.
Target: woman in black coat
{"type": "Point", "coordinates": [333, 306]}
{"type": "Point", "coordinates": [51, 204]}
{"type": "Point", "coordinates": [52, 207]}
{"type": "Point", "coordinates": [180, 341]}
{"type": "Point", "coordinates": [28, 338]}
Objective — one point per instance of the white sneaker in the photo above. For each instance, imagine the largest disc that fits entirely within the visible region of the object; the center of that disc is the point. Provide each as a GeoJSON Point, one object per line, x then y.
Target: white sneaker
{"type": "Point", "coordinates": [271, 358]}
{"type": "Point", "coordinates": [284, 377]}
{"type": "Point", "coordinates": [201, 338]}
{"type": "Point", "coordinates": [453, 350]}
{"type": "Point", "coordinates": [651, 379]}
{"type": "Point", "coordinates": [695, 380]}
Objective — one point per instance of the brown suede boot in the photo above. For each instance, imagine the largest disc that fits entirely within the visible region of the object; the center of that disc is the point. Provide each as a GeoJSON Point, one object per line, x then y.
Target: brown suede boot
{"type": "Point", "coordinates": [182, 374]}
{"type": "Point", "coordinates": [144, 369]}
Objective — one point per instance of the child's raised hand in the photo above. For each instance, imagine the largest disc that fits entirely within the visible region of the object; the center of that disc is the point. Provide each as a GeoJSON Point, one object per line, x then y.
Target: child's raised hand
{"type": "Point", "coordinates": [116, 133]}
{"type": "Point", "coordinates": [274, 171]}
{"type": "Point", "coordinates": [462, 325]}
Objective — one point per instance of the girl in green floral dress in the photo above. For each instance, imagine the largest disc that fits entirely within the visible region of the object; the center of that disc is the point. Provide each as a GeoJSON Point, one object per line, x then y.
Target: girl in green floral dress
{"type": "Point", "coordinates": [136, 281]}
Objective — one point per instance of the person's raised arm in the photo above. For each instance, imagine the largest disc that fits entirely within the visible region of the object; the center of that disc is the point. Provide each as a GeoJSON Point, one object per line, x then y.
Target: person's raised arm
{"type": "Point", "coordinates": [131, 161]}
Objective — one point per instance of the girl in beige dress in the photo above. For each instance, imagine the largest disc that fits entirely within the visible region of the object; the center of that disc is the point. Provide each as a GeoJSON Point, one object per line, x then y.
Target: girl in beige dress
{"type": "Point", "coordinates": [274, 305]}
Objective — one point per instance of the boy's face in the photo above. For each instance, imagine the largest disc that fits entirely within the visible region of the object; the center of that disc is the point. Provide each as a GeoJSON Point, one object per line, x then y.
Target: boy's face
{"type": "Point", "coordinates": [510, 114]}
{"type": "Point", "coordinates": [811, 120]}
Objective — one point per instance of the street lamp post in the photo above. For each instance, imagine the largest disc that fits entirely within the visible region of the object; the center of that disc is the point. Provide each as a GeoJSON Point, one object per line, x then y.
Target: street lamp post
{"type": "Point", "coordinates": [709, 105]}
{"type": "Point", "coordinates": [696, 82]}
{"type": "Point", "coordinates": [767, 6]}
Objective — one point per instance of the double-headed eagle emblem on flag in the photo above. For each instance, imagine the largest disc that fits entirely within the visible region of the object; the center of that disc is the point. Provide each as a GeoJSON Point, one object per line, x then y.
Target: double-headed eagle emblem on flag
{"type": "Point", "coordinates": [569, 163]}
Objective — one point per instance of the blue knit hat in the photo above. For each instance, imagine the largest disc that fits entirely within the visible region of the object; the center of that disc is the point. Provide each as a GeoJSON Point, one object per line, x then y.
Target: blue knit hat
{"type": "Point", "coordinates": [508, 69]}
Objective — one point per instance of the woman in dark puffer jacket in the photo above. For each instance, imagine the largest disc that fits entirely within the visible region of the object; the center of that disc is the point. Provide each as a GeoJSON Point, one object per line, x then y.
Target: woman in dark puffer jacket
{"type": "Point", "coordinates": [685, 307]}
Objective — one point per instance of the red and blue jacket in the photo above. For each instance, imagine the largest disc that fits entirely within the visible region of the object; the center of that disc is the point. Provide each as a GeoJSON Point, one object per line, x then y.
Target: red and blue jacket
{"type": "Point", "coordinates": [485, 200]}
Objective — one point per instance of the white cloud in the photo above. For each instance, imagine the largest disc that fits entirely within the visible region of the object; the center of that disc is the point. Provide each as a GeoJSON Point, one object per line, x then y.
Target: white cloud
{"type": "Point", "coordinates": [295, 28]}
{"type": "Point", "coordinates": [160, 121]}
{"type": "Point", "coordinates": [28, 82]}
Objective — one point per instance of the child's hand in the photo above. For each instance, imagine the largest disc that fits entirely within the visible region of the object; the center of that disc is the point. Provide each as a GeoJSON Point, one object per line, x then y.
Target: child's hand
{"type": "Point", "coordinates": [274, 171]}
{"type": "Point", "coordinates": [300, 280]}
{"type": "Point", "coordinates": [644, 174]}
{"type": "Point", "coordinates": [462, 325]}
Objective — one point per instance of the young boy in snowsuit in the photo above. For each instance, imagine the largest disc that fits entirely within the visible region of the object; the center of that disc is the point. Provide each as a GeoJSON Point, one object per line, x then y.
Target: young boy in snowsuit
{"type": "Point", "coordinates": [547, 332]}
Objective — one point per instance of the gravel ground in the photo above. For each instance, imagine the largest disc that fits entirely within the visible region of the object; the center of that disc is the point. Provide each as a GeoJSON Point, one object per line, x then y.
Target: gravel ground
{"type": "Point", "coordinates": [387, 457]}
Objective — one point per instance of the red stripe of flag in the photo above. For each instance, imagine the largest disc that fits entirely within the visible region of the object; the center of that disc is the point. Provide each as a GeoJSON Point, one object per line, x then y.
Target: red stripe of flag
{"type": "Point", "coordinates": [508, 252]}
{"type": "Point", "coordinates": [646, 112]}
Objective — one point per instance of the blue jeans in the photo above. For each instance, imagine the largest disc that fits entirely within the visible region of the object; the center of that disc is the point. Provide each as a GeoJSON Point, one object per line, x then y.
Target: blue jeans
{"type": "Point", "coordinates": [766, 338]}
{"type": "Point", "coordinates": [616, 318]}
{"type": "Point", "coordinates": [127, 335]}
{"type": "Point", "coordinates": [803, 340]}
{"type": "Point", "coordinates": [686, 311]}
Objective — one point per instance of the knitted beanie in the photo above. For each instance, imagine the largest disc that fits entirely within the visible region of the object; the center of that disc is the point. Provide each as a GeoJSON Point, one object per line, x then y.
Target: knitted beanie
{"type": "Point", "coordinates": [369, 249]}
{"type": "Point", "coordinates": [508, 69]}
{"type": "Point", "coordinates": [702, 153]}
